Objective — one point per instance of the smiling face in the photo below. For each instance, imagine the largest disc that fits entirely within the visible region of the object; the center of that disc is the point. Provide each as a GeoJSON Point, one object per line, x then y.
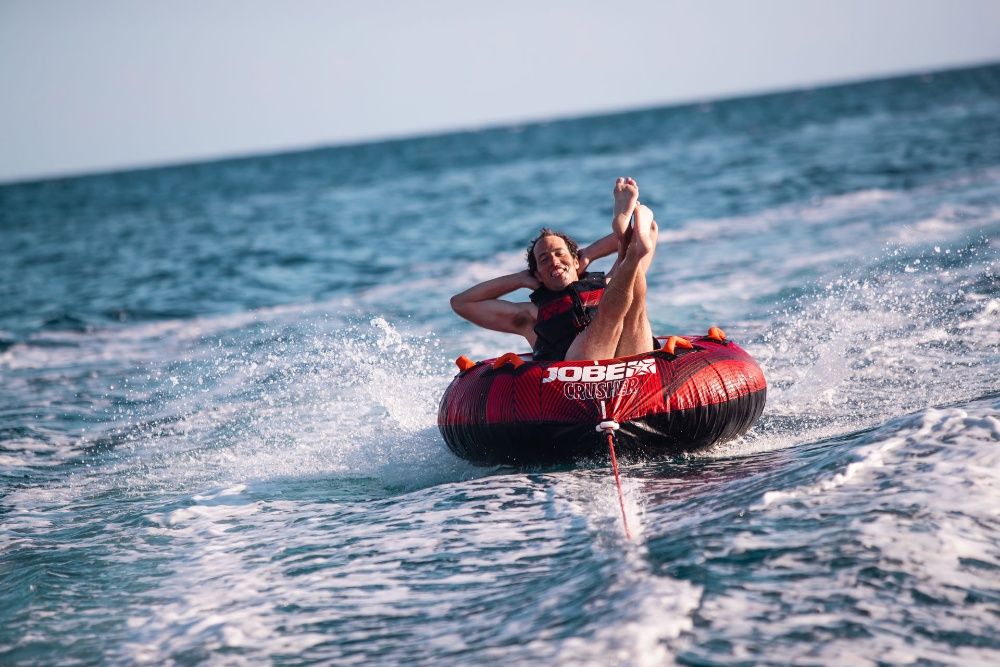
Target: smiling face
{"type": "Point", "coordinates": [557, 267]}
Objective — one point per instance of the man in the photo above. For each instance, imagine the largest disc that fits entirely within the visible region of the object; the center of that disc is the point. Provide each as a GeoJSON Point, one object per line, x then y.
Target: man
{"type": "Point", "coordinates": [563, 320]}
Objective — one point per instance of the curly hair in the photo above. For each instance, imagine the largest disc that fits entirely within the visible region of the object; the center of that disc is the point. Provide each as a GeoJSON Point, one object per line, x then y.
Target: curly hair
{"type": "Point", "coordinates": [574, 248]}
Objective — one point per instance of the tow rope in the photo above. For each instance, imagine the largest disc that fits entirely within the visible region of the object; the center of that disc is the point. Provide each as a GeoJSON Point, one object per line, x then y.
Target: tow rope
{"type": "Point", "coordinates": [608, 427]}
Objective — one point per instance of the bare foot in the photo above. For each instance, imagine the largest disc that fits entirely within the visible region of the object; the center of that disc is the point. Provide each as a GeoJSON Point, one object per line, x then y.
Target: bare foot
{"type": "Point", "coordinates": [626, 197]}
{"type": "Point", "coordinates": [644, 234]}
{"type": "Point", "coordinates": [626, 194]}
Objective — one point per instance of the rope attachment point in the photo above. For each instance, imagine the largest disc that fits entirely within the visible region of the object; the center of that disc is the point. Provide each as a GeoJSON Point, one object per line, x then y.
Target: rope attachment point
{"type": "Point", "coordinates": [609, 426]}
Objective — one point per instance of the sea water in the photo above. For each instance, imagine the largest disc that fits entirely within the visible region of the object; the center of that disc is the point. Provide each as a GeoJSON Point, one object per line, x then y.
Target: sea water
{"type": "Point", "coordinates": [219, 384]}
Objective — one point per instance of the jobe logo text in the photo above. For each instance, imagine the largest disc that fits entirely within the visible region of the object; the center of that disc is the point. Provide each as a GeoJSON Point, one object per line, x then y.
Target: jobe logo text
{"type": "Point", "coordinates": [619, 371]}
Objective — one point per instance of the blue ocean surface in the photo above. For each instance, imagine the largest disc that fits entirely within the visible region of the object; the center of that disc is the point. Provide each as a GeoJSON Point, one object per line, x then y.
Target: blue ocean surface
{"type": "Point", "coordinates": [219, 387]}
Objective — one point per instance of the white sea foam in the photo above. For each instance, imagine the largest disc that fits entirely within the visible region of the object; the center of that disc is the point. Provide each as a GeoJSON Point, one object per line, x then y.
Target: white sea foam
{"type": "Point", "coordinates": [149, 342]}
{"type": "Point", "coordinates": [818, 212]}
{"type": "Point", "coordinates": [652, 611]}
{"type": "Point", "coordinates": [232, 585]}
{"type": "Point", "coordinates": [909, 530]}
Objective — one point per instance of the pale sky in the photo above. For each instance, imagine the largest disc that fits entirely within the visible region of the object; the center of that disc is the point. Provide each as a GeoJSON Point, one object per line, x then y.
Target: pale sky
{"type": "Point", "coordinates": [102, 84]}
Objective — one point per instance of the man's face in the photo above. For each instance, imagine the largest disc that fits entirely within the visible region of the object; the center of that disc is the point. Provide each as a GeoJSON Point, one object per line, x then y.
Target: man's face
{"type": "Point", "coordinates": [557, 268]}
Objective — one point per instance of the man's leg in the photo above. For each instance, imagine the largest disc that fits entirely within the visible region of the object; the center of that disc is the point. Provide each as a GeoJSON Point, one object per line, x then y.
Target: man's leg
{"type": "Point", "coordinates": [601, 339]}
{"type": "Point", "coordinates": [637, 334]}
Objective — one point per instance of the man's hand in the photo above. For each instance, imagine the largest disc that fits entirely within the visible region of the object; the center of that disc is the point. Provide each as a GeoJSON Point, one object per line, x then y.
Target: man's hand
{"type": "Point", "coordinates": [529, 281]}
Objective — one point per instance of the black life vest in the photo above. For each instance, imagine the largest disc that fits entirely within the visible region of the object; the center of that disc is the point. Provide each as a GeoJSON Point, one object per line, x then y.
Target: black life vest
{"type": "Point", "coordinates": [563, 314]}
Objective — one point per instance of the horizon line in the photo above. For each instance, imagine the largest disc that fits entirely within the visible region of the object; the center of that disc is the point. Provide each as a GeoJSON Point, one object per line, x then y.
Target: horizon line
{"type": "Point", "coordinates": [487, 126]}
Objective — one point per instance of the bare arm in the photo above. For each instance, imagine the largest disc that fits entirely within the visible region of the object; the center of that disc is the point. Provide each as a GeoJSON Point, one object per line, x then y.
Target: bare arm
{"type": "Point", "coordinates": [598, 249]}
{"type": "Point", "coordinates": [481, 304]}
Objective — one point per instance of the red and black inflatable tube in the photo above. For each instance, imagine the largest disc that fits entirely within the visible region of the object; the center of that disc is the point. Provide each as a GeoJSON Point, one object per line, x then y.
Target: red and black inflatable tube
{"type": "Point", "coordinates": [547, 413]}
